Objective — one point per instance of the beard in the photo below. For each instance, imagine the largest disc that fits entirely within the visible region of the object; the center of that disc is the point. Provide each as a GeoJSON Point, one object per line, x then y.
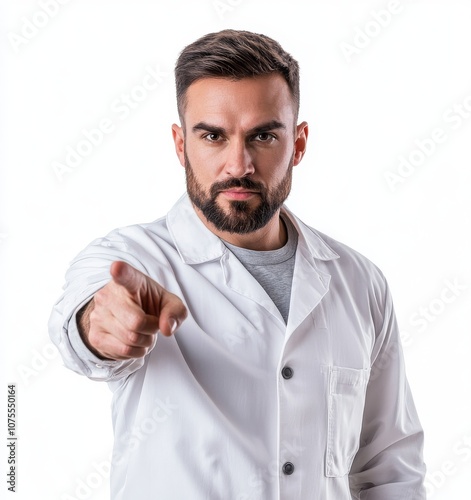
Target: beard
{"type": "Point", "coordinates": [240, 217]}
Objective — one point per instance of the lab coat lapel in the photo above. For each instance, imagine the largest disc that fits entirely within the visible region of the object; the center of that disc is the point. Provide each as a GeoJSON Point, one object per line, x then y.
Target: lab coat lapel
{"type": "Point", "coordinates": [310, 285]}
{"type": "Point", "coordinates": [241, 281]}
{"type": "Point", "coordinates": [196, 244]}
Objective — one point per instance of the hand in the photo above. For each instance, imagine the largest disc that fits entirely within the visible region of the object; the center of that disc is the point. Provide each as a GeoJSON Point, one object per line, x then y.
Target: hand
{"type": "Point", "coordinates": [123, 318]}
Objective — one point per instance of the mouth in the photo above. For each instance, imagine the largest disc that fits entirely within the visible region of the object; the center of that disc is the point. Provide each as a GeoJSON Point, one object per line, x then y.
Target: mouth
{"type": "Point", "coordinates": [238, 194]}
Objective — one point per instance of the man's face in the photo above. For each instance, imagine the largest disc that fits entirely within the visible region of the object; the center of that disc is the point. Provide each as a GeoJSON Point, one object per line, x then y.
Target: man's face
{"type": "Point", "coordinates": [239, 145]}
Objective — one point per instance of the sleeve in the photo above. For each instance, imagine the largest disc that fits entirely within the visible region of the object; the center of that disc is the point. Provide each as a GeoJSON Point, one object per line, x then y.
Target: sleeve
{"type": "Point", "coordinates": [89, 272]}
{"type": "Point", "coordinates": [389, 463]}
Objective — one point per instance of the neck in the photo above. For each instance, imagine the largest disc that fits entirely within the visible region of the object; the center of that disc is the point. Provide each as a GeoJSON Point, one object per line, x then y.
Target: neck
{"type": "Point", "coordinates": [270, 237]}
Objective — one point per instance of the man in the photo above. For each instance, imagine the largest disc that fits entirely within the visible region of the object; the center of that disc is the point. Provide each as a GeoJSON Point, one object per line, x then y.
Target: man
{"type": "Point", "coordinates": [250, 356]}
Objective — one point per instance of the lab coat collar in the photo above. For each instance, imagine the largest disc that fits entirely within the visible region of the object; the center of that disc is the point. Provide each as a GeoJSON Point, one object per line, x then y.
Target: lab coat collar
{"type": "Point", "coordinates": [197, 244]}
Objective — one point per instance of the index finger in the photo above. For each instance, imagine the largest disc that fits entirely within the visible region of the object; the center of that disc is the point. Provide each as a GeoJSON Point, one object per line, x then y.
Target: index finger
{"type": "Point", "coordinates": [132, 317]}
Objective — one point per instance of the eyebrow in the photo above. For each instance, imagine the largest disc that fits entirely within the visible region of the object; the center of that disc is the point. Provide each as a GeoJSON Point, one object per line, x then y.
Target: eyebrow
{"type": "Point", "coordinates": [258, 129]}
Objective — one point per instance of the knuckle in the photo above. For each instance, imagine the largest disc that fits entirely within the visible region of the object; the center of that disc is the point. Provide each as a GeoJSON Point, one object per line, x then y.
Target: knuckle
{"type": "Point", "coordinates": [134, 338]}
{"type": "Point", "coordinates": [94, 317]}
{"type": "Point", "coordinates": [100, 297]}
{"type": "Point", "coordinates": [125, 351]}
{"type": "Point", "coordinates": [134, 321]}
{"type": "Point", "coordinates": [95, 338]}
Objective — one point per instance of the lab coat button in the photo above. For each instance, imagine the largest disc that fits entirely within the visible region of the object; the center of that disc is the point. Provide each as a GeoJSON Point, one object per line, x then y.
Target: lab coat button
{"type": "Point", "coordinates": [287, 372]}
{"type": "Point", "coordinates": [288, 468]}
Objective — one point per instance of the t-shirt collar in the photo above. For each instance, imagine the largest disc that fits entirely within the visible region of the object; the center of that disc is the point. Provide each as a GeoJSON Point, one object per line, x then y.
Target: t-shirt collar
{"type": "Point", "coordinates": [197, 244]}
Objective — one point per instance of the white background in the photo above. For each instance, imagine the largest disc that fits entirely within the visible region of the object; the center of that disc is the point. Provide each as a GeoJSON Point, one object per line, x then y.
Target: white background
{"type": "Point", "coordinates": [365, 111]}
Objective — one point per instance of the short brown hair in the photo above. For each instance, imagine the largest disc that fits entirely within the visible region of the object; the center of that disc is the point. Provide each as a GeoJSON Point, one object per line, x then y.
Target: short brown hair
{"type": "Point", "coordinates": [234, 54]}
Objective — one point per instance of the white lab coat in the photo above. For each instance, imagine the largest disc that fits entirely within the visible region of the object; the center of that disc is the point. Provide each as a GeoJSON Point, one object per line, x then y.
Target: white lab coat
{"type": "Point", "coordinates": [207, 414]}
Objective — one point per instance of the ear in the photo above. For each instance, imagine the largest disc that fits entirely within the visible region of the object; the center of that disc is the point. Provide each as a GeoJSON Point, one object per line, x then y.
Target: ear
{"type": "Point", "coordinates": [179, 140]}
{"type": "Point", "coordinates": [300, 143]}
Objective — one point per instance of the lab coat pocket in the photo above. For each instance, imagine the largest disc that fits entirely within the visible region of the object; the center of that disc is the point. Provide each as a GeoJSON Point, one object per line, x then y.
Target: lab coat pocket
{"type": "Point", "coordinates": [346, 393]}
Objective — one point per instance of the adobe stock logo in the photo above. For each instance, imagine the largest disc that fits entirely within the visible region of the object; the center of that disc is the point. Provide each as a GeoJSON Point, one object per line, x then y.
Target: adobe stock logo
{"type": "Point", "coordinates": [362, 38]}
{"type": "Point", "coordinates": [461, 458]}
{"type": "Point", "coordinates": [91, 138]}
{"type": "Point", "coordinates": [85, 487]}
{"type": "Point", "coordinates": [39, 360]}
{"type": "Point", "coordinates": [224, 6]}
{"type": "Point", "coordinates": [453, 118]}
{"type": "Point", "coordinates": [437, 306]}
{"type": "Point", "coordinates": [31, 27]}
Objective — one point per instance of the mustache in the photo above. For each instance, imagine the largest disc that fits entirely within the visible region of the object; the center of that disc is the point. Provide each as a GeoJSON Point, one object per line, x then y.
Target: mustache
{"type": "Point", "coordinates": [243, 182]}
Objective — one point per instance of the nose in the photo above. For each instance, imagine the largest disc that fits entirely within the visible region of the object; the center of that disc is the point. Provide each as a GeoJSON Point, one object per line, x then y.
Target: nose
{"type": "Point", "coordinates": [239, 161]}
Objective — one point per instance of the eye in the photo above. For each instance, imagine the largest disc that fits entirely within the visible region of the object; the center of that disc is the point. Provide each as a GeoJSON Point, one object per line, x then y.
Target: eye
{"type": "Point", "coordinates": [212, 137]}
{"type": "Point", "coordinates": [264, 137]}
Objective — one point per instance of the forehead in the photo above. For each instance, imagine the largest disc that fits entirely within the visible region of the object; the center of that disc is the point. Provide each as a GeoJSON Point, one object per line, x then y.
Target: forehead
{"type": "Point", "coordinates": [261, 98]}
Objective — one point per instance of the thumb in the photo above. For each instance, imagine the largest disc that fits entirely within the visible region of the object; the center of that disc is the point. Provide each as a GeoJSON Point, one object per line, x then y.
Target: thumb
{"type": "Point", "coordinates": [172, 313]}
{"type": "Point", "coordinates": [127, 276]}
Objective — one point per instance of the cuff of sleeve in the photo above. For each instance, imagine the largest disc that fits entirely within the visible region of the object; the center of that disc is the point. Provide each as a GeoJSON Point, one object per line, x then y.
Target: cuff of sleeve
{"type": "Point", "coordinates": [81, 349]}
{"type": "Point", "coordinates": [96, 368]}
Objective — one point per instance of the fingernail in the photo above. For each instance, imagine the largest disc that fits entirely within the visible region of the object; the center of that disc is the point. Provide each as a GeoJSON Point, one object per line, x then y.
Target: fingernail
{"type": "Point", "coordinates": [173, 325]}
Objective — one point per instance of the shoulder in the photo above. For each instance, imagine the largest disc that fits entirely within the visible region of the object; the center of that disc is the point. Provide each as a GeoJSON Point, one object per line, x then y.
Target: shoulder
{"type": "Point", "coordinates": [137, 244]}
{"type": "Point", "coordinates": [133, 235]}
{"type": "Point", "coordinates": [329, 250]}
{"type": "Point", "coordinates": [349, 258]}
{"type": "Point", "coordinates": [347, 267]}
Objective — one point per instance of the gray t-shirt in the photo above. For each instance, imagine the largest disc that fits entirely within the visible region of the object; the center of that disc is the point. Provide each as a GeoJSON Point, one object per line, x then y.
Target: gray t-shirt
{"type": "Point", "coordinates": [273, 269]}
